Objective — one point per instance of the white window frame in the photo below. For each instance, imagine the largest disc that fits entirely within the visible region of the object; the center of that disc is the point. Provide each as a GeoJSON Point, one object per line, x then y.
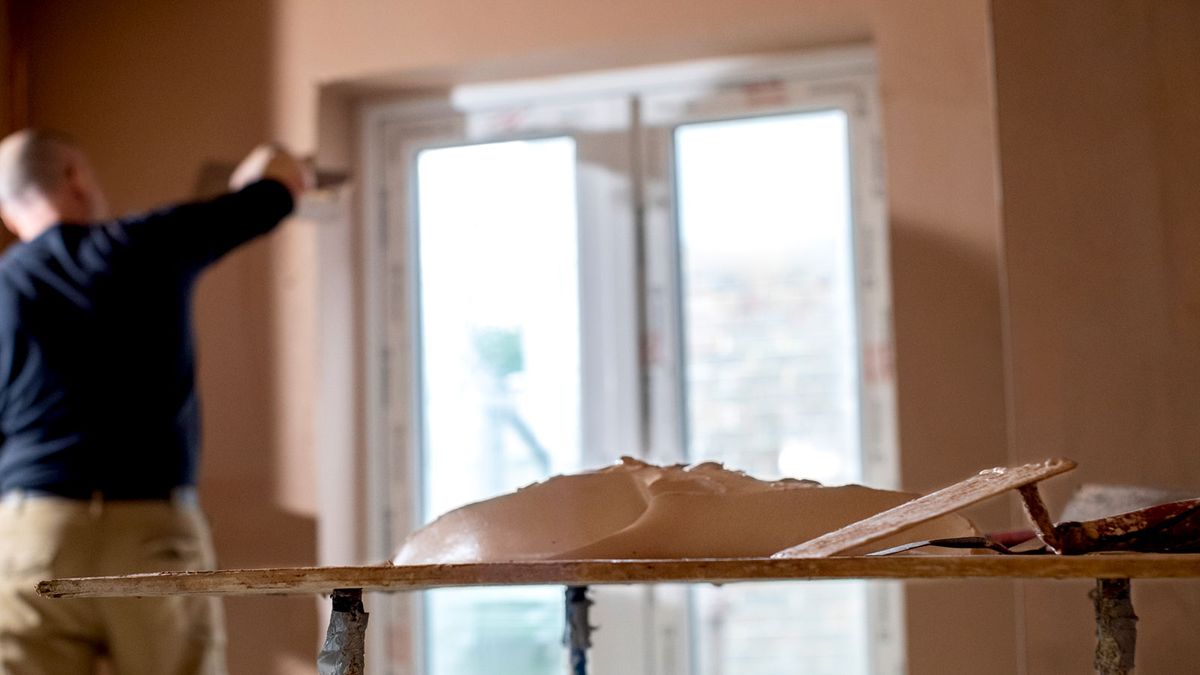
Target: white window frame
{"type": "Point", "coordinates": [632, 403]}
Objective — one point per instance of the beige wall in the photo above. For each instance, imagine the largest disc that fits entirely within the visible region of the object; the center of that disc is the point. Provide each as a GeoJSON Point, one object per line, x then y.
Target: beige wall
{"type": "Point", "coordinates": [1100, 154]}
{"type": "Point", "coordinates": [324, 42]}
{"type": "Point", "coordinates": [158, 89]}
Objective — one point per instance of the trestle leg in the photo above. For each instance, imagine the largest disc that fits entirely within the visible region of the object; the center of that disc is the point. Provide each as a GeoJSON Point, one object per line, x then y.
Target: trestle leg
{"type": "Point", "coordinates": [344, 651]}
{"type": "Point", "coordinates": [1116, 627]}
{"type": "Point", "coordinates": [577, 636]}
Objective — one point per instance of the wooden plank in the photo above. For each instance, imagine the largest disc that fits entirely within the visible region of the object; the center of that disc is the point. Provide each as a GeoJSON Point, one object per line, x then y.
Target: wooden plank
{"type": "Point", "coordinates": [949, 499]}
{"type": "Point", "coordinates": [307, 580]}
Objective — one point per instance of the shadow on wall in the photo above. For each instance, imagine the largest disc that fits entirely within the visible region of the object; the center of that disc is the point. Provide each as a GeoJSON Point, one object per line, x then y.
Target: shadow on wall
{"type": "Point", "coordinates": [950, 362]}
{"type": "Point", "coordinates": [949, 373]}
{"type": "Point", "coordinates": [939, 286]}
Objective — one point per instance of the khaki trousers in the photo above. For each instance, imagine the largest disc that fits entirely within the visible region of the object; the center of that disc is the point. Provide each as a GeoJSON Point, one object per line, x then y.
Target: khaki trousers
{"type": "Point", "coordinates": [48, 537]}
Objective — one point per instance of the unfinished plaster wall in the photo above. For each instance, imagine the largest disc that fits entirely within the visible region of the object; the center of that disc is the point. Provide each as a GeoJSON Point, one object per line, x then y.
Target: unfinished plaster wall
{"type": "Point", "coordinates": [1100, 155]}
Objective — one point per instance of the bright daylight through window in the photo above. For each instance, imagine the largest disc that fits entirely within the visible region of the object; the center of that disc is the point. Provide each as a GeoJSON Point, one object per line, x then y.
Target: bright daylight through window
{"type": "Point", "coordinates": [771, 374]}
{"type": "Point", "coordinates": [501, 369]}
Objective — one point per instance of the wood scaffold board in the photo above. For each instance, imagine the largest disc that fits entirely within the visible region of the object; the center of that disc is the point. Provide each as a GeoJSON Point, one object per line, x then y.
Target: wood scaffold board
{"type": "Point", "coordinates": [387, 578]}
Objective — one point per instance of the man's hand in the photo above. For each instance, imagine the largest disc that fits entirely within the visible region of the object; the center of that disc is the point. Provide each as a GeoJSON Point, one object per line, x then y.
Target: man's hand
{"type": "Point", "coordinates": [271, 161]}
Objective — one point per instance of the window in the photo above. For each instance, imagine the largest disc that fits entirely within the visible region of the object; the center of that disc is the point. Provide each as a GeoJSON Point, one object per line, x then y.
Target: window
{"type": "Point", "coordinates": [691, 267]}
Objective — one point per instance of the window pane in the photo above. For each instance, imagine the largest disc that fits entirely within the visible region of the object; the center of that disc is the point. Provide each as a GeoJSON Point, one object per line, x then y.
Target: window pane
{"type": "Point", "coordinates": [771, 368]}
{"type": "Point", "coordinates": [500, 366]}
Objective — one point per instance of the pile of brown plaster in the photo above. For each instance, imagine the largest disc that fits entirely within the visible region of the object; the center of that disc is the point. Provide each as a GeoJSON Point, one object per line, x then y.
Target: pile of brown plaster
{"type": "Point", "coordinates": [639, 510]}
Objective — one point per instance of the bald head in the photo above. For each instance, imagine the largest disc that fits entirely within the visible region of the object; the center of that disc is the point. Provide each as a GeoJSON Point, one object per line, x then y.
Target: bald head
{"type": "Point", "coordinates": [45, 179]}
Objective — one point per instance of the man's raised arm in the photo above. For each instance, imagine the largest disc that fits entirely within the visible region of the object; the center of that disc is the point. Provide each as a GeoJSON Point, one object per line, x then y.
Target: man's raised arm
{"type": "Point", "coordinates": [265, 188]}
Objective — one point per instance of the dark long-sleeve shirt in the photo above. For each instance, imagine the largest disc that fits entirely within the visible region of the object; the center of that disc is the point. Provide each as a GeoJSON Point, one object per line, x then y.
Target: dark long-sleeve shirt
{"type": "Point", "coordinates": [97, 371]}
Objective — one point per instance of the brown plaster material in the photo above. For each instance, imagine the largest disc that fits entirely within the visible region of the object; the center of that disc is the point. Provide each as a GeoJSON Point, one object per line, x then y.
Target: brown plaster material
{"type": "Point", "coordinates": [637, 510]}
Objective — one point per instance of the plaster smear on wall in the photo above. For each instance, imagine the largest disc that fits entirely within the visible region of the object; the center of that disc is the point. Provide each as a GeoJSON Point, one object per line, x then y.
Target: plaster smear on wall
{"type": "Point", "coordinates": [637, 510]}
